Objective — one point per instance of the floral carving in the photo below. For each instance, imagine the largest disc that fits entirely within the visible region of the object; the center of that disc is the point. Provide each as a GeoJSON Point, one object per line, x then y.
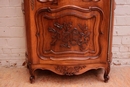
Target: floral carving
{"type": "Point", "coordinates": [69, 70]}
{"type": "Point", "coordinates": [69, 36]}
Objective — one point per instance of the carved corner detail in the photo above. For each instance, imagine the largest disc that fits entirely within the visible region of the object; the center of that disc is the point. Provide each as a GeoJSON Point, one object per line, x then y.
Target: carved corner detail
{"type": "Point", "coordinates": [69, 70]}
{"type": "Point", "coordinates": [32, 4]}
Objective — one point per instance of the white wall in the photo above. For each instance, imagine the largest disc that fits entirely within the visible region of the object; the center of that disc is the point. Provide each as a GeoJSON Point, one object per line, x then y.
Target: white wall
{"type": "Point", "coordinates": [12, 33]}
{"type": "Point", "coordinates": [121, 39]}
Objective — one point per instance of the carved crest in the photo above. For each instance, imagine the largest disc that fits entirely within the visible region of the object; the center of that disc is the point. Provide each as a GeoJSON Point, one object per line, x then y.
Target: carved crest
{"type": "Point", "coordinates": [91, 0]}
{"type": "Point", "coordinates": [57, 0]}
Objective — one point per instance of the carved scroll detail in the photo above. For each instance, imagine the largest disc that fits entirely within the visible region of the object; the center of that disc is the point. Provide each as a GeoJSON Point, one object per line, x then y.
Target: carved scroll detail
{"type": "Point", "coordinates": [32, 4]}
{"type": "Point", "coordinates": [53, 1]}
{"type": "Point", "coordinates": [69, 35]}
{"type": "Point", "coordinates": [69, 70]}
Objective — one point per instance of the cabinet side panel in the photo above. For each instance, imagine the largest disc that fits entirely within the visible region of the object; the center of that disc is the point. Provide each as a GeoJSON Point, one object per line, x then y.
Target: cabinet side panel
{"type": "Point", "coordinates": [30, 31]}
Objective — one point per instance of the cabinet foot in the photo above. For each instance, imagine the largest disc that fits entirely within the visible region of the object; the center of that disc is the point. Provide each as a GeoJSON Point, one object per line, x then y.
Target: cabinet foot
{"type": "Point", "coordinates": [32, 79]}
{"type": "Point", "coordinates": [27, 66]}
{"type": "Point", "coordinates": [106, 78]}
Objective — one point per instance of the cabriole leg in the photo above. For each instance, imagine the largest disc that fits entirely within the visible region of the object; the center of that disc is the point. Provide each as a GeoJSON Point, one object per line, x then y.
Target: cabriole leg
{"type": "Point", "coordinates": [106, 73]}
{"type": "Point", "coordinates": [106, 77]}
{"type": "Point", "coordinates": [32, 77]}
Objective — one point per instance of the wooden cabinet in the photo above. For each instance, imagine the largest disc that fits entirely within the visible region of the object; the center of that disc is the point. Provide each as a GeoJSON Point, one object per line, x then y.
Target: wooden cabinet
{"type": "Point", "coordinates": [69, 37]}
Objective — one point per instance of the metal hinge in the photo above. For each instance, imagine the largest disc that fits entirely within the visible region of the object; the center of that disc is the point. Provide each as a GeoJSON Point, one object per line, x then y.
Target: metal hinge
{"type": "Point", "coordinates": [22, 7]}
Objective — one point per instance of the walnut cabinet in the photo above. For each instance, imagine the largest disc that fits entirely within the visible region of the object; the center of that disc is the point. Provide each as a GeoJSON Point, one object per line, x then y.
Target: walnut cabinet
{"type": "Point", "coordinates": [69, 37]}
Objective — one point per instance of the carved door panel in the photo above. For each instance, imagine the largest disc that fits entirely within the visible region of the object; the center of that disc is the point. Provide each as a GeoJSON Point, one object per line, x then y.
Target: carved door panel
{"type": "Point", "coordinates": [68, 32]}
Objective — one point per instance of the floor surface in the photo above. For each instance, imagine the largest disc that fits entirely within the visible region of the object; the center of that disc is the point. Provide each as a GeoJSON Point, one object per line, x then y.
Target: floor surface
{"type": "Point", "coordinates": [19, 77]}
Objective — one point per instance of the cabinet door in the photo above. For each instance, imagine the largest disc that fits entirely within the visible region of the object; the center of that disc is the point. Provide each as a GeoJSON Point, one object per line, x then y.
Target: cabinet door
{"type": "Point", "coordinates": [68, 32]}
